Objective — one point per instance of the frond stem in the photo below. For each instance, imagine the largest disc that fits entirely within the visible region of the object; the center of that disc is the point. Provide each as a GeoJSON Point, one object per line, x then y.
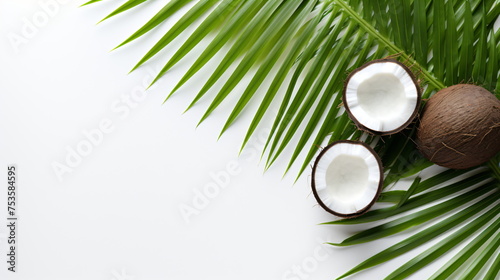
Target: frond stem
{"type": "Point", "coordinates": [373, 32]}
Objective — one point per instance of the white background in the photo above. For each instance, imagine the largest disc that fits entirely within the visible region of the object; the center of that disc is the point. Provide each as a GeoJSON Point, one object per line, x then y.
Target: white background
{"type": "Point", "coordinates": [117, 214]}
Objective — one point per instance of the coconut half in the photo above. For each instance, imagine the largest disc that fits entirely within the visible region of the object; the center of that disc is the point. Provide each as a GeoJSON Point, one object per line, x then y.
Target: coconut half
{"type": "Point", "coordinates": [382, 96]}
{"type": "Point", "coordinates": [347, 178]}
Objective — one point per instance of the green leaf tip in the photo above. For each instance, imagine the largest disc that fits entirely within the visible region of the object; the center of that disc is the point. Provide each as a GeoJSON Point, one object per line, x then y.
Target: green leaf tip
{"type": "Point", "coordinates": [90, 2]}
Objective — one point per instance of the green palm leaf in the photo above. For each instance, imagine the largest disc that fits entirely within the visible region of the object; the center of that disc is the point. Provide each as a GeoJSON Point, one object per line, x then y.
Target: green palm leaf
{"type": "Point", "coordinates": [456, 262]}
{"type": "Point", "coordinates": [448, 243]}
{"type": "Point", "coordinates": [419, 200]}
{"type": "Point", "coordinates": [432, 232]}
{"type": "Point", "coordinates": [187, 20]}
{"type": "Point", "coordinates": [126, 6]}
{"type": "Point", "coordinates": [415, 219]}
{"type": "Point", "coordinates": [90, 2]}
{"type": "Point", "coordinates": [279, 20]}
{"type": "Point", "coordinates": [266, 67]}
{"type": "Point", "coordinates": [165, 13]}
{"type": "Point", "coordinates": [305, 48]}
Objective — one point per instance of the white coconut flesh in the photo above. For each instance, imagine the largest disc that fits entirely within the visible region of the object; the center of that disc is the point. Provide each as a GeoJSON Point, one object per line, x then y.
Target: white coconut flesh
{"type": "Point", "coordinates": [382, 96]}
{"type": "Point", "coordinates": [347, 178]}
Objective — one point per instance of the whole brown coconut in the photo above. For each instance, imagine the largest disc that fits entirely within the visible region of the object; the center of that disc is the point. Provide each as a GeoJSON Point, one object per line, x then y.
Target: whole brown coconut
{"type": "Point", "coordinates": [460, 127]}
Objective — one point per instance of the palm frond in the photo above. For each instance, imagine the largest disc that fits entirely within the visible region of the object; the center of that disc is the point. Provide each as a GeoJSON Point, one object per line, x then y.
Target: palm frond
{"type": "Point", "coordinates": [305, 48]}
{"type": "Point", "coordinates": [419, 200]}
{"type": "Point", "coordinates": [453, 240]}
{"type": "Point", "coordinates": [165, 13]}
{"type": "Point", "coordinates": [457, 261]}
{"type": "Point", "coordinates": [187, 20]}
{"type": "Point", "coordinates": [126, 6]}
{"type": "Point", "coordinates": [90, 2]}
{"type": "Point", "coordinates": [434, 231]}
{"type": "Point", "coordinates": [417, 218]}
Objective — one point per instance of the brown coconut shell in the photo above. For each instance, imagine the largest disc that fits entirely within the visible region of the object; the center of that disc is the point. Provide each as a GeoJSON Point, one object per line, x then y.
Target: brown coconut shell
{"type": "Point", "coordinates": [460, 127]}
